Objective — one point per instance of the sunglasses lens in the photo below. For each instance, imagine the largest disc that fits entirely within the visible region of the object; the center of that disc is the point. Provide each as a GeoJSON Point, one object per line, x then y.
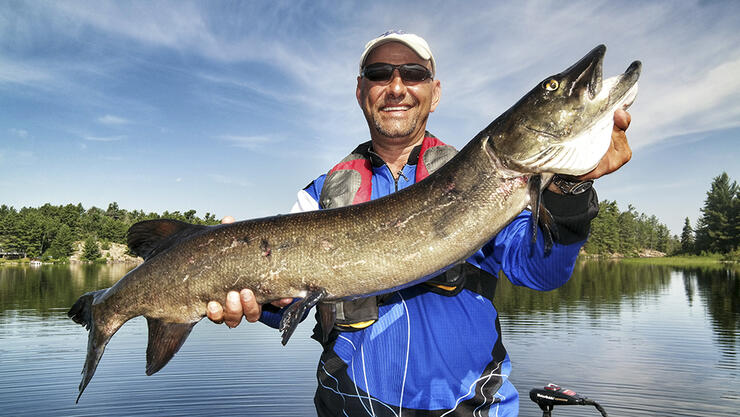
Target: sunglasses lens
{"type": "Point", "coordinates": [414, 72]}
{"type": "Point", "coordinates": [378, 72]}
{"type": "Point", "coordinates": [384, 72]}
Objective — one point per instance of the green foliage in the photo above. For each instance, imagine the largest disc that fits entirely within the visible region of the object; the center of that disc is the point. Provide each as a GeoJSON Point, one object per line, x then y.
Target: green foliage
{"type": "Point", "coordinates": [718, 230]}
{"type": "Point", "coordinates": [687, 237]}
{"type": "Point", "coordinates": [49, 231]}
{"type": "Point", "coordinates": [91, 251]}
{"type": "Point", "coordinates": [627, 232]}
{"type": "Point", "coordinates": [62, 245]}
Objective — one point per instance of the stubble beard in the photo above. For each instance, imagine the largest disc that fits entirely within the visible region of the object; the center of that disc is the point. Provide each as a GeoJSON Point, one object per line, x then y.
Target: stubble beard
{"type": "Point", "coordinates": [396, 129]}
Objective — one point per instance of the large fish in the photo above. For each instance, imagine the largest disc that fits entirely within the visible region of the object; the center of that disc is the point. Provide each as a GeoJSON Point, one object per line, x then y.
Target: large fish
{"type": "Point", "coordinates": [562, 126]}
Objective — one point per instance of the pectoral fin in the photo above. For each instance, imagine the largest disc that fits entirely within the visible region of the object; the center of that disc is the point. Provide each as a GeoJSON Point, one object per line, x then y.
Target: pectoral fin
{"type": "Point", "coordinates": [165, 339]}
{"type": "Point", "coordinates": [540, 214]}
{"type": "Point", "coordinates": [294, 313]}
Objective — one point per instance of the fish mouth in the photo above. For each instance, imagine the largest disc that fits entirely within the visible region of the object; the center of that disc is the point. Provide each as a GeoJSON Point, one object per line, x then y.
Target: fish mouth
{"type": "Point", "coordinates": [587, 76]}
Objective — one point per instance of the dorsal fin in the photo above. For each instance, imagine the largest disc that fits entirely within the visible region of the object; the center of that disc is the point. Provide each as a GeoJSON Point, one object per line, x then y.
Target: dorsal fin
{"type": "Point", "coordinates": [151, 237]}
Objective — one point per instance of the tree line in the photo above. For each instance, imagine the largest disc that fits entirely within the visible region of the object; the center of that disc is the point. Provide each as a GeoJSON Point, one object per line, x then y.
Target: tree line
{"type": "Point", "coordinates": [629, 232]}
{"type": "Point", "coordinates": [50, 231]}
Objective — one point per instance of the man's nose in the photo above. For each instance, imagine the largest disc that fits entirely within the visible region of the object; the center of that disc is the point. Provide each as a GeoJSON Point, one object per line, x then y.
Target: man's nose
{"type": "Point", "coordinates": [396, 86]}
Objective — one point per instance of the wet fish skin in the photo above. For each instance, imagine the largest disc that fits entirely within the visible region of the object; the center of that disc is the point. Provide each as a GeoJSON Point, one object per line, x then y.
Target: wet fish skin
{"type": "Point", "coordinates": [370, 248]}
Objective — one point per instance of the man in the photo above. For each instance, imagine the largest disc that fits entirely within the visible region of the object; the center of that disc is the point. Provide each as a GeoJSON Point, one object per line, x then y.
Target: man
{"type": "Point", "coordinates": [433, 349]}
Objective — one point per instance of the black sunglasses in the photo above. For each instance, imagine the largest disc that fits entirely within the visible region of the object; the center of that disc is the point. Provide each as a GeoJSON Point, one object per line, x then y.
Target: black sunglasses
{"type": "Point", "coordinates": [384, 72]}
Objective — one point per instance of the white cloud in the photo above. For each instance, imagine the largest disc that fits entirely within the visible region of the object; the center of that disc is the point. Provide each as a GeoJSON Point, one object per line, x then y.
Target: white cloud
{"type": "Point", "coordinates": [248, 142]}
{"type": "Point", "coordinates": [21, 133]}
{"type": "Point", "coordinates": [222, 179]}
{"type": "Point", "coordinates": [110, 119]}
{"type": "Point", "coordinates": [104, 138]}
{"type": "Point", "coordinates": [21, 73]}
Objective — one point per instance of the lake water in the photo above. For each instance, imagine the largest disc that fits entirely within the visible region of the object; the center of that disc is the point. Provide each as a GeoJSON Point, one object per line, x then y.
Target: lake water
{"type": "Point", "coordinates": [640, 340]}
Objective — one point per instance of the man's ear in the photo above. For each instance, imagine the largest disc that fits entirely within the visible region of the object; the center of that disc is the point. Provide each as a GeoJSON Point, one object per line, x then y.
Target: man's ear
{"type": "Point", "coordinates": [357, 91]}
{"type": "Point", "coordinates": [436, 95]}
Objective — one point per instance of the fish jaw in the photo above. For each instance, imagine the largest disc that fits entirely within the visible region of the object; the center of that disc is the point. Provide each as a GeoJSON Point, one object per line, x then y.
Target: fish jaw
{"type": "Point", "coordinates": [583, 152]}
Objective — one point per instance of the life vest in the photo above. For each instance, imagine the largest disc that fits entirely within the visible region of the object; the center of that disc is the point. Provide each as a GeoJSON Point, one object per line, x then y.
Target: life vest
{"type": "Point", "coordinates": [350, 182]}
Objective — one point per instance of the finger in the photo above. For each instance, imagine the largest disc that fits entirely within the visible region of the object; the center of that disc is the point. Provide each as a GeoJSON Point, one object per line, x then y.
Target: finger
{"type": "Point", "coordinates": [622, 119]}
{"type": "Point", "coordinates": [233, 309]}
{"type": "Point", "coordinates": [215, 312]}
{"type": "Point", "coordinates": [252, 310]}
{"type": "Point", "coordinates": [283, 302]}
{"type": "Point", "coordinates": [227, 219]}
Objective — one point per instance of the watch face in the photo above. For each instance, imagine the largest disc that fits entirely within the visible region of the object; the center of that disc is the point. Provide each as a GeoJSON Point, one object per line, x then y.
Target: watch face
{"type": "Point", "coordinates": [572, 187]}
{"type": "Point", "coordinates": [581, 187]}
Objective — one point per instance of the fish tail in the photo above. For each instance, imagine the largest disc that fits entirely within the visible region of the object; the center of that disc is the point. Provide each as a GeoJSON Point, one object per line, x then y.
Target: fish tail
{"type": "Point", "coordinates": [98, 337]}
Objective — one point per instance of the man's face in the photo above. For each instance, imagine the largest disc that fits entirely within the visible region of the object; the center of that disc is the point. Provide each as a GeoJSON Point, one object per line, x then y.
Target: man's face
{"type": "Point", "coordinates": [396, 109]}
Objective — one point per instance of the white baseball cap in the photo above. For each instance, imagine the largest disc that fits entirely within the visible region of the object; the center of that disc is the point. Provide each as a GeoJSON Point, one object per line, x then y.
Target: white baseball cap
{"type": "Point", "coordinates": [415, 42]}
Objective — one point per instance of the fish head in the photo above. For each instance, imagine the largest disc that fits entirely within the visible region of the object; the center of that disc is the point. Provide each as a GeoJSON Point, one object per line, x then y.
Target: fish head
{"type": "Point", "coordinates": [563, 125]}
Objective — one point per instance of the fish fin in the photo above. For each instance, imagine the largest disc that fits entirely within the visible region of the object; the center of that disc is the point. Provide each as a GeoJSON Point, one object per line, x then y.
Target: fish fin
{"type": "Point", "coordinates": [549, 228]}
{"type": "Point", "coordinates": [294, 313]}
{"type": "Point", "coordinates": [541, 216]}
{"type": "Point", "coordinates": [151, 237]}
{"type": "Point", "coordinates": [535, 195]}
{"type": "Point", "coordinates": [327, 316]}
{"type": "Point", "coordinates": [97, 339]}
{"type": "Point", "coordinates": [165, 339]}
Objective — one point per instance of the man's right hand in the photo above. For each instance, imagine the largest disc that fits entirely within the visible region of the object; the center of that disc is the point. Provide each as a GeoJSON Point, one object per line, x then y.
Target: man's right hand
{"type": "Point", "coordinates": [238, 304]}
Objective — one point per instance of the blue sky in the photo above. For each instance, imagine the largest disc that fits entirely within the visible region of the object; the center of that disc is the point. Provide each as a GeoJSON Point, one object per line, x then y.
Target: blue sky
{"type": "Point", "coordinates": [231, 107]}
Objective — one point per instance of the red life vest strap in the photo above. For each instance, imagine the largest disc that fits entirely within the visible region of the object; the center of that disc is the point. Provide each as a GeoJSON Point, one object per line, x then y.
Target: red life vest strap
{"type": "Point", "coordinates": [360, 163]}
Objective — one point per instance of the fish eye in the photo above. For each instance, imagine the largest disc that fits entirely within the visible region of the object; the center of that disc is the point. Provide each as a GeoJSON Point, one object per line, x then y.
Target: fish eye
{"type": "Point", "coordinates": [551, 85]}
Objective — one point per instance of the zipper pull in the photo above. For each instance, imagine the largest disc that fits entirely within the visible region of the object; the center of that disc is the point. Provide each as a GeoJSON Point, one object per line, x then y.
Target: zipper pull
{"type": "Point", "coordinates": [401, 174]}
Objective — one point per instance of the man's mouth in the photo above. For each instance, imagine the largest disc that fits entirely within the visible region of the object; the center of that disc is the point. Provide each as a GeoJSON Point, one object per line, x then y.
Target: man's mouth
{"type": "Point", "coordinates": [394, 108]}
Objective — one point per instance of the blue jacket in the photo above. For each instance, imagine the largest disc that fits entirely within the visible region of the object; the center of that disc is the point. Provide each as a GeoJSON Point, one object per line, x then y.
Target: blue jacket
{"type": "Point", "coordinates": [436, 355]}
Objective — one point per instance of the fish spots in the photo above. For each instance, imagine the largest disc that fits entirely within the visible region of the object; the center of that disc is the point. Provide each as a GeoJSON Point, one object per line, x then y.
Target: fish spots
{"type": "Point", "coordinates": [326, 245]}
{"type": "Point", "coordinates": [206, 243]}
{"type": "Point", "coordinates": [234, 243]}
{"type": "Point", "coordinates": [265, 248]}
{"type": "Point", "coordinates": [506, 188]}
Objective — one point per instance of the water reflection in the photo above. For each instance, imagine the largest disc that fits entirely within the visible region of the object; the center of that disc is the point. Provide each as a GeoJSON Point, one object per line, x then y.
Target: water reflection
{"type": "Point", "coordinates": [600, 287]}
{"type": "Point", "coordinates": [629, 336]}
{"type": "Point", "coordinates": [719, 291]}
{"type": "Point", "coordinates": [37, 291]}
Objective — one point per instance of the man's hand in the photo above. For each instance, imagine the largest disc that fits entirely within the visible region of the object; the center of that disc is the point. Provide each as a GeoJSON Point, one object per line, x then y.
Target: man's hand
{"type": "Point", "coordinates": [619, 152]}
{"type": "Point", "coordinates": [239, 304]}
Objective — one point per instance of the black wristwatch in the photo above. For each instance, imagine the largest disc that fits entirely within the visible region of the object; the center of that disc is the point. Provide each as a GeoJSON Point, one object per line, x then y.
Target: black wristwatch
{"type": "Point", "coordinates": [570, 185]}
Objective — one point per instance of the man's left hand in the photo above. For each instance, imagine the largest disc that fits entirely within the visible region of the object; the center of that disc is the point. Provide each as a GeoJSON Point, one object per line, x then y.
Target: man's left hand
{"type": "Point", "coordinates": [619, 152]}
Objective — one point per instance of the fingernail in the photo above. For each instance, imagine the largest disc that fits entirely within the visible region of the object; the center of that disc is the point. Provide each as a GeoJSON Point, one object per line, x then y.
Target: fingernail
{"type": "Point", "coordinates": [233, 297]}
{"type": "Point", "coordinates": [247, 296]}
{"type": "Point", "coordinates": [213, 307]}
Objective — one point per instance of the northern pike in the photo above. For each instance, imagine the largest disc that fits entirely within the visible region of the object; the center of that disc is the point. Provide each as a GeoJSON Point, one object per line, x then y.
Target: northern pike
{"type": "Point", "coordinates": [563, 125]}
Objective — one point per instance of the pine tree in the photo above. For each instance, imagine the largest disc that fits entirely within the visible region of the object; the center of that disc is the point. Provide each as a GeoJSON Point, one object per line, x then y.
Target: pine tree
{"type": "Point", "coordinates": [91, 251]}
{"type": "Point", "coordinates": [717, 230]}
{"type": "Point", "coordinates": [62, 245]}
{"type": "Point", "coordinates": [687, 237]}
